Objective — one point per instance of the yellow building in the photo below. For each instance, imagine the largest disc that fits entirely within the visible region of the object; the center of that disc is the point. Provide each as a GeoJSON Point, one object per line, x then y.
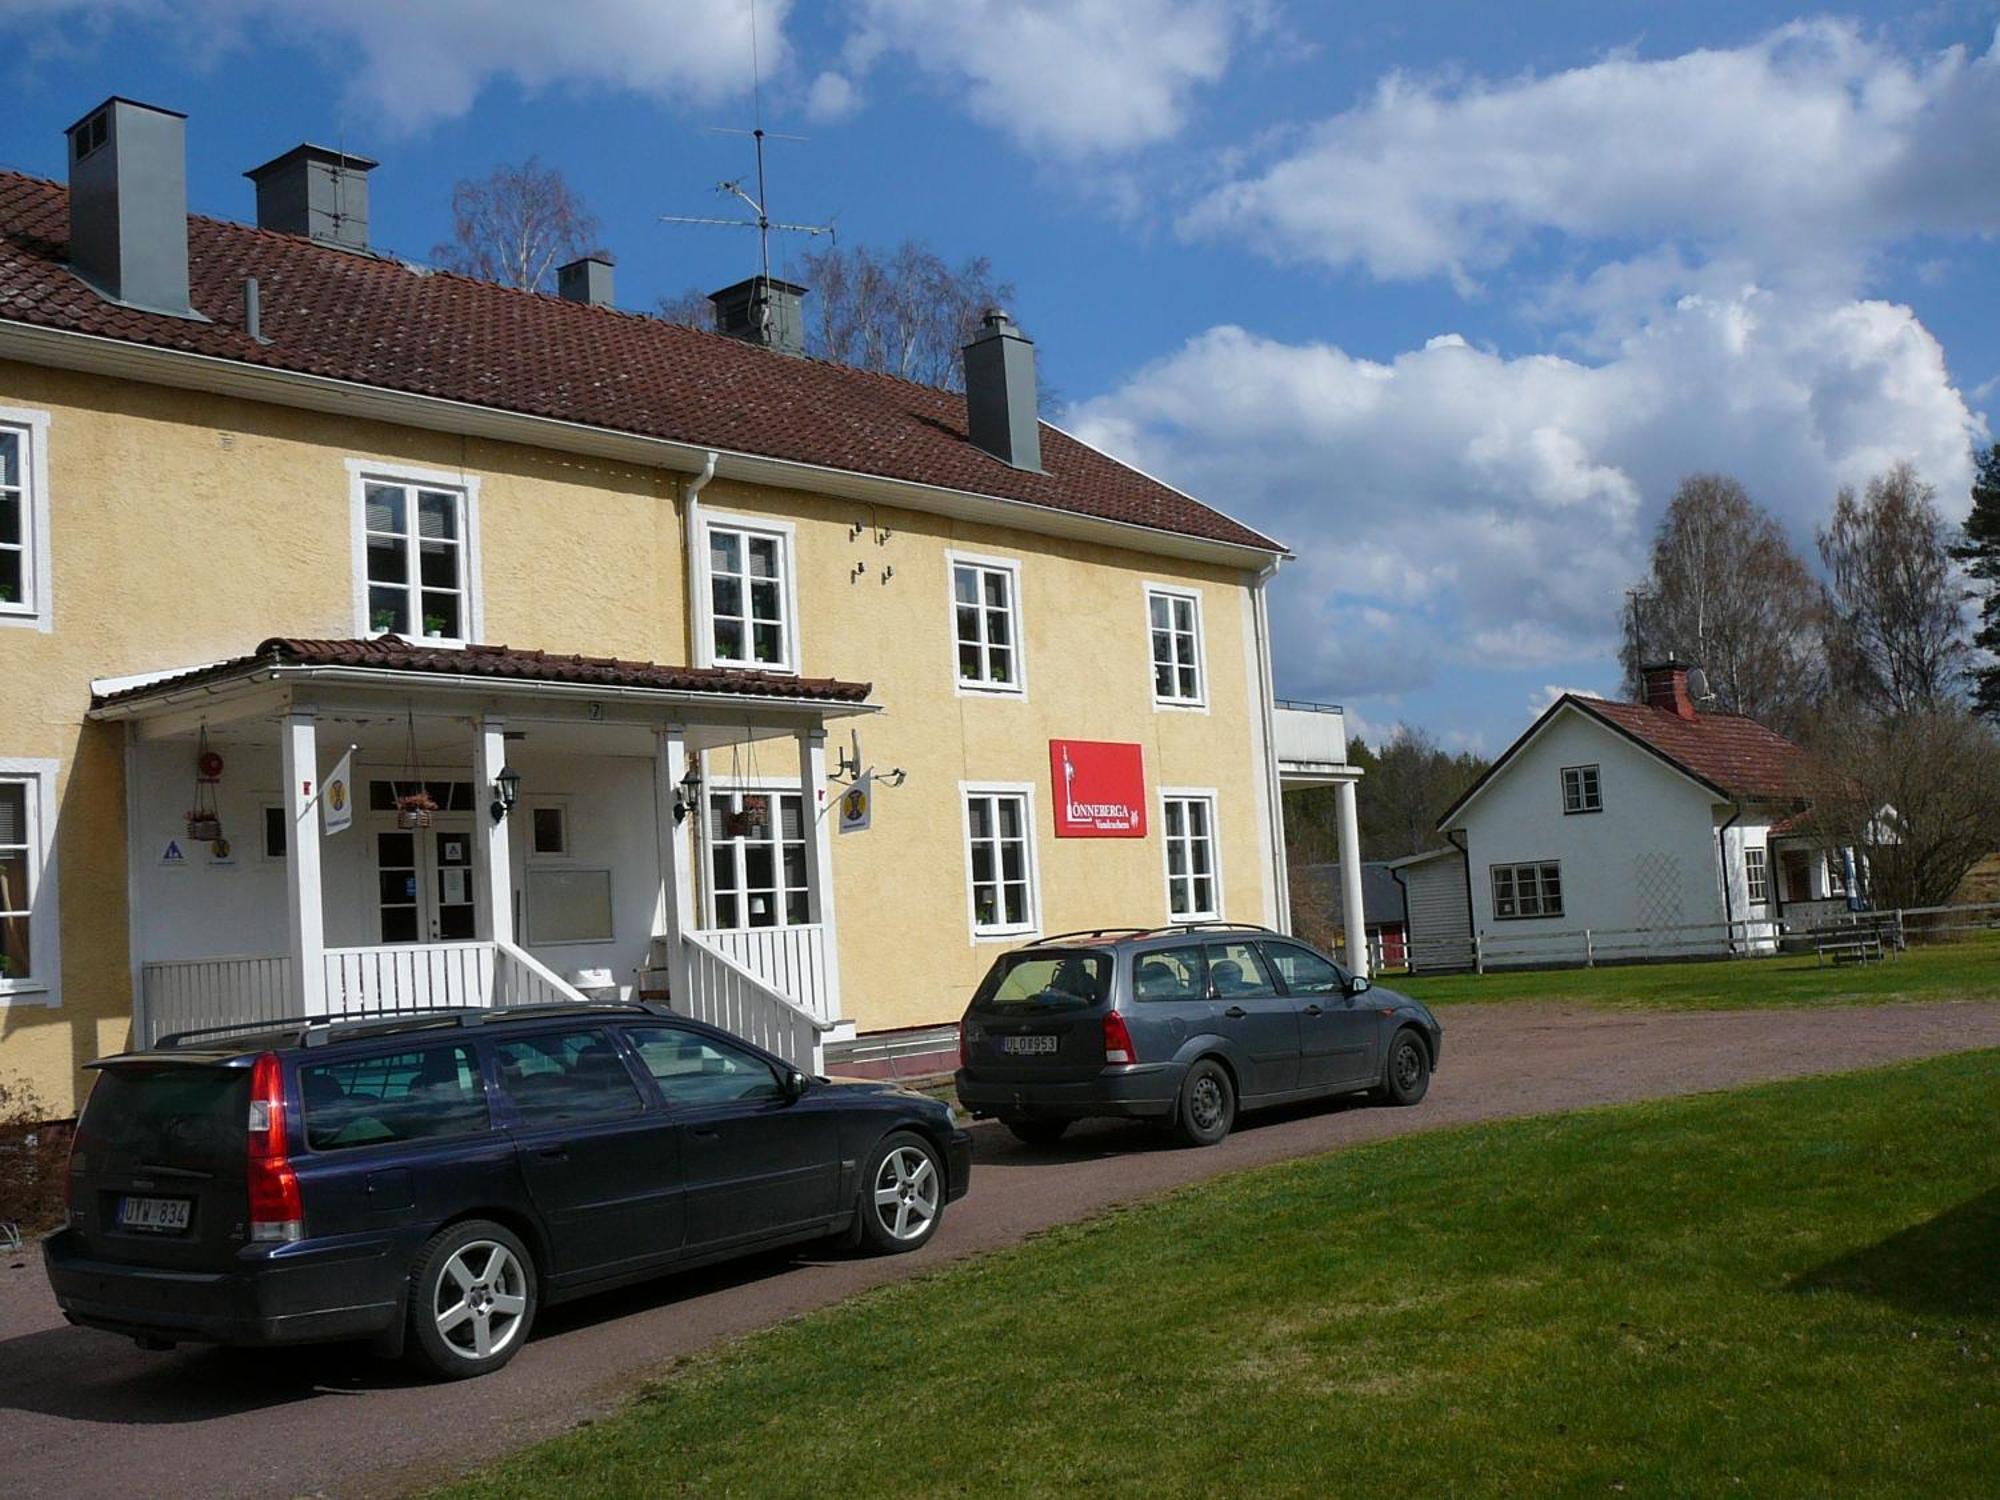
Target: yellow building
{"type": "Point", "coordinates": [265, 495]}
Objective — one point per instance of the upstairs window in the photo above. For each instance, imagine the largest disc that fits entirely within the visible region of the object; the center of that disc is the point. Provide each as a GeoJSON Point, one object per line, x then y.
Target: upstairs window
{"type": "Point", "coordinates": [1174, 622]}
{"type": "Point", "coordinates": [1521, 891]}
{"type": "Point", "coordinates": [750, 596]}
{"type": "Point", "coordinates": [417, 555]}
{"type": "Point", "coordinates": [24, 520]}
{"type": "Point", "coordinates": [1581, 793]}
{"type": "Point", "coordinates": [986, 619]}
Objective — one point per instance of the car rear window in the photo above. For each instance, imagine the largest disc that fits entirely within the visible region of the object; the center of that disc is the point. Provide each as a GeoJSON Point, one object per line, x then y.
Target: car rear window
{"type": "Point", "coordinates": [1040, 982]}
{"type": "Point", "coordinates": [1169, 974]}
{"type": "Point", "coordinates": [415, 1094]}
{"type": "Point", "coordinates": [193, 1117]}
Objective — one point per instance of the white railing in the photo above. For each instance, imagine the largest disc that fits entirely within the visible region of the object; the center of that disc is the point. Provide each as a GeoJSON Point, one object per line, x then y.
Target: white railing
{"type": "Point", "coordinates": [409, 976]}
{"type": "Point", "coordinates": [187, 994]}
{"type": "Point", "coordinates": [790, 960]}
{"type": "Point", "coordinates": [724, 992]}
{"type": "Point", "coordinates": [1313, 734]}
{"type": "Point", "coordinates": [519, 978]}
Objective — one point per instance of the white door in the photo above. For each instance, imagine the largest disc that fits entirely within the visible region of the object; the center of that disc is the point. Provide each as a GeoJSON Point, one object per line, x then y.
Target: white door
{"type": "Point", "coordinates": [423, 882]}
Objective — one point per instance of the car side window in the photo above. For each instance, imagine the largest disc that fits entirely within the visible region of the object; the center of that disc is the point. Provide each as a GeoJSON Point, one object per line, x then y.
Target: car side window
{"type": "Point", "coordinates": [1238, 971]}
{"type": "Point", "coordinates": [571, 1075]}
{"type": "Point", "coordinates": [414, 1094]}
{"type": "Point", "coordinates": [1305, 972]}
{"type": "Point", "coordinates": [1169, 974]}
{"type": "Point", "coordinates": [695, 1069]}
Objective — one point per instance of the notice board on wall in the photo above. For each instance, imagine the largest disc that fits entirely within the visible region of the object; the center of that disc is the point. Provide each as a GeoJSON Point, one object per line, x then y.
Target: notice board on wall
{"type": "Point", "coordinates": [1100, 789]}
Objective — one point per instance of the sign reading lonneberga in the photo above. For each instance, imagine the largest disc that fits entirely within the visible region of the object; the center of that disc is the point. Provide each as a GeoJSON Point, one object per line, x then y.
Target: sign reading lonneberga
{"type": "Point", "coordinates": [1100, 789]}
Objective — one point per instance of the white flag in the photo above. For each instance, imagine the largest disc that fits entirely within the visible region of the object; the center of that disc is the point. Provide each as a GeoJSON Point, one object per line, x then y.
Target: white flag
{"type": "Point", "coordinates": [336, 796]}
{"type": "Point", "coordinates": [857, 804]}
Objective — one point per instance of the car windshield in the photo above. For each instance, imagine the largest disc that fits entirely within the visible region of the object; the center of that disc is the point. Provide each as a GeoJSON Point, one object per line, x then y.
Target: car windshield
{"type": "Point", "coordinates": [1044, 982]}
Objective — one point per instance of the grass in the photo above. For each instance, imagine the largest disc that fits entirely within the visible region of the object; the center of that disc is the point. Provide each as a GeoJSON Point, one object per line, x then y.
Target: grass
{"type": "Point", "coordinates": [1968, 970]}
{"type": "Point", "coordinates": [1787, 1290]}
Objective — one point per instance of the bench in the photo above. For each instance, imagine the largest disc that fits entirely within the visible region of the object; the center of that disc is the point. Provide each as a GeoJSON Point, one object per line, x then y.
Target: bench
{"type": "Point", "coordinates": [1860, 947]}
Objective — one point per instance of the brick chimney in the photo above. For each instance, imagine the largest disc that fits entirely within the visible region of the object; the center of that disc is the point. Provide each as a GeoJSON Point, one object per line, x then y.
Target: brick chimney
{"type": "Point", "coordinates": [1666, 686]}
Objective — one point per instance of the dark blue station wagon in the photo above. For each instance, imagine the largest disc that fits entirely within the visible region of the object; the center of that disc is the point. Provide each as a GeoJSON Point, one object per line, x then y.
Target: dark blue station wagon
{"type": "Point", "coordinates": [428, 1183]}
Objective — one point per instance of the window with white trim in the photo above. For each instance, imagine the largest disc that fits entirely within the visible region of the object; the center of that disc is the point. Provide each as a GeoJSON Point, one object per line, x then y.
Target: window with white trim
{"type": "Point", "coordinates": [987, 625]}
{"type": "Point", "coordinates": [1532, 890]}
{"type": "Point", "coordinates": [1582, 790]}
{"type": "Point", "coordinates": [1193, 893]}
{"type": "Point", "coordinates": [998, 828]}
{"type": "Point", "coordinates": [757, 859]}
{"type": "Point", "coordinates": [23, 861]}
{"type": "Point", "coordinates": [416, 568]}
{"type": "Point", "coordinates": [24, 519]}
{"type": "Point", "coordinates": [749, 597]}
{"type": "Point", "coordinates": [1757, 874]}
{"type": "Point", "coordinates": [1173, 620]}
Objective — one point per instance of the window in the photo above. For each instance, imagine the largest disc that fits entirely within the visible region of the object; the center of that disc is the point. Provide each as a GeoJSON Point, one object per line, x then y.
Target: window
{"type": "Point", "coordinates": [277, 828]}
{"type": "Point", "coordinates": [548, 831]}
{"type": "Point", "coordinates": [415, 564]}
{"type": "Point", "coordinates": [28, 925]}
{"type": "Point", "coordinates": [696, 1070]}
{"type": "Point", "coordinates": [1238, 970]}
{"type": "Point", "coordinates": [568, 905]}
{"type": "Point", "coordinates": [1170, 974]}
{"type": "Point", "coordinates": [1757, 875]}
{"type": "Point", "coordinates": [1038, 984]}
{"type": "Point", "coordinates": [1527, 891]}
{"type": "Point", "coordinates": [24, 519]}
{"type": "Point", "coordinates": [1174, 618]}
{"type": "Point", "coordinates": [750, 596]}
{"type": "Point", "coordinates": [757, 859]}
{"type": "Point", "coordinates": [1193, 892]}
{"type": "Point", "coordinates": [985, 599]}
{"type": "Point", "coordinates": [399, 1096]}
{"type": "Point", "coordinates": [1581, 793]}
{"type": "Point", "coordinates": [999, 862]}
{"type": "Point", "coordinates": [576, 1075]}
{"type": "Point", "coordinates": [450, 796]}
{"type": "Point", "coordinates": [1305, 972]}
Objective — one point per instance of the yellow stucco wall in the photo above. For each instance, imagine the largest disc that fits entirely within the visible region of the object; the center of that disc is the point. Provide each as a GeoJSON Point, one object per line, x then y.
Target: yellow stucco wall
{"type": "Point", "coordinates": [187, 528]}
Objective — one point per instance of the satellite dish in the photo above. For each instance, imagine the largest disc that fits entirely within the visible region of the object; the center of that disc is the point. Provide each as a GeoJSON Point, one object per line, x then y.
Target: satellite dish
{"type": "Point", "coordinates": [1698, 686]}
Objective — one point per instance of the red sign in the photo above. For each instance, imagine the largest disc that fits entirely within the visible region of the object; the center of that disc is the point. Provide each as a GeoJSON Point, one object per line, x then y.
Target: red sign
{"type": "Point", "coordinates": [1100, 789]}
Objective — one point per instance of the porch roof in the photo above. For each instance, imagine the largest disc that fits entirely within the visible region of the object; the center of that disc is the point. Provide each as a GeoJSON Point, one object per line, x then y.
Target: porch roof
{"type": "Point", "coordinates": [390, 656]}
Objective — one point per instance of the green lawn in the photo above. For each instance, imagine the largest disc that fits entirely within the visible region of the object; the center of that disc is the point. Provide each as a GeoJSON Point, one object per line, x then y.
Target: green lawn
{"type": "Point", "coordinates": [1945, 971]}
{"type": "Point", "coordinates": [1788, 1290]}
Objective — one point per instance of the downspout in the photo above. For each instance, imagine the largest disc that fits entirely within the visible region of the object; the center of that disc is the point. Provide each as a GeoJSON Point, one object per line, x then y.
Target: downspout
{"type": "Point", "coordinates": [1280, 864]}
{"type": "Point", "coordinates": [1722, 853]}
{"type": "Point", "coordinates": [691, 531]}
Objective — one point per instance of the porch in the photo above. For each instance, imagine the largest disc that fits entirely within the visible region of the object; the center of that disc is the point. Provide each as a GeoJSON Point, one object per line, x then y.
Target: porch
{"type": "Point", "coordinates": [516, 829]}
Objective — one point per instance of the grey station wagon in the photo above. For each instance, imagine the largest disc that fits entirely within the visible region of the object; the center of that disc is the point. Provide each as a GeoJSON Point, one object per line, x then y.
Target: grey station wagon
{"type": "Point", "coordinates": [1183, 1026]}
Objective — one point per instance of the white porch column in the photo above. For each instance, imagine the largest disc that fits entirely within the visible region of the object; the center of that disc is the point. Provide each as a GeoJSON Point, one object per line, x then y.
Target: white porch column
{"type": "Point", "coordinates": [306, 917]}
{"type": "Point", "coordinates": [676, 854]}
{"type": "Point", "coordinates": [1352, 921]}
{"type": "Point", "coordinates": [493, 858]}
{"type": "Point", "coordinates": [820, 809]}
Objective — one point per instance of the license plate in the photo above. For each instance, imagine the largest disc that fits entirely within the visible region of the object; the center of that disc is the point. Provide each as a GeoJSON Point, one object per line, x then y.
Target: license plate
{"type": "Point", "coordinates": [1028, 1046]}
{"type": "Point", "coordinates": [157, 1215]}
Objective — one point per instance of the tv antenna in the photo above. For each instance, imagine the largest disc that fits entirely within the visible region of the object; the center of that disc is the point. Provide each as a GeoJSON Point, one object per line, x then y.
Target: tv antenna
{"type": "Point", "coordinates": [760, 219]}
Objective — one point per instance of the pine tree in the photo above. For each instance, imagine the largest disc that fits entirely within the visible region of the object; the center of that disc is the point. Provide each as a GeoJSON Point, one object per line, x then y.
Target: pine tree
{"type": "Point", "coordinates": [1979, 552]}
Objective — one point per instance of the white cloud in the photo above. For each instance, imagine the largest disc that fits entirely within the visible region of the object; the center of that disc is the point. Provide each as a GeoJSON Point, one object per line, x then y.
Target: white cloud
{"type": "Point", "coordinates": [1814, 140]}
{"type": "Point", "coordinates": [1064, 78]}
{"type": "Point", "coordinates": [1455, 507]}
{"type": "Point", "coordinates": [832, 96]}
{"type": "Point", "coordinates": [411, 64]}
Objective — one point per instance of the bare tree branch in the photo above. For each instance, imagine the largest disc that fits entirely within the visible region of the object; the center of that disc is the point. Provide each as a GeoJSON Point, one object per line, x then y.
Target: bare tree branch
{"type": "Point", "coordinates": [516, 226]}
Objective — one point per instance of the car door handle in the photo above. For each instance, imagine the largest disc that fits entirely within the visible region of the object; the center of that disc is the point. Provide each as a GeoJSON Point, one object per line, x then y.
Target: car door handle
{"type": "Point", "coordinates": [554, 1153]}
{"type": "Point", "coordinates": [707, 1131]}
{"type": "Point", "coordinates": [1314, 1010]}
{"type": "Point", "coordinates": [1236, 1013]}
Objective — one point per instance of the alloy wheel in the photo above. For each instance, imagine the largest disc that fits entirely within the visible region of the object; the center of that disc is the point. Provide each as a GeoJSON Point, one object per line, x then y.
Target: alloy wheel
{"type": "Point", "coordinates": [906, 1193]}
{"type": "Point", "coordinates": [479, 1298]}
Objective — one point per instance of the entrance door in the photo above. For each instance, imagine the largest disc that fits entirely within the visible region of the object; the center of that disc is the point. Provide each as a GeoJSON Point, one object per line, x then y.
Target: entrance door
{"type": "Point", "coordinates": [424, 885]}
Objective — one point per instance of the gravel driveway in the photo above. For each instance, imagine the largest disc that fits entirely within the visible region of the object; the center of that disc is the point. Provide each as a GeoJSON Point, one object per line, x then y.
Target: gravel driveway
{"type": "Point", "coordinates": [85, 1414]}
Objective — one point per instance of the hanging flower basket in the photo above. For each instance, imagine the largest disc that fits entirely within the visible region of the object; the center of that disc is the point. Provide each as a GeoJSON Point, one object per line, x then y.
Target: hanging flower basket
{"type": "Point", "coordinates": [203, 826]}
{"type": "Point", "coordinates": [757, 814]}
{"type": "Point", "coordinates": [415, 809]}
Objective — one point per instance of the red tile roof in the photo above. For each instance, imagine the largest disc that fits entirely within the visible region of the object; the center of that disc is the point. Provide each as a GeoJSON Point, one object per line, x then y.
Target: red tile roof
{"type": "Point", "coordinates": [1737, 756]}
{"type": "Point", "coordinates": [380, 322]}
{"type": "Point", "coordinates": [393, 654]}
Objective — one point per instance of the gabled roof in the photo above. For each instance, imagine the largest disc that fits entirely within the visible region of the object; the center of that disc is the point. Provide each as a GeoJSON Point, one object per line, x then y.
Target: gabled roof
{"type": "Point", "coordinates": [1382, 902]}
{"type": "Point", "coordinates": [341, 315]}
{"type": "Point", "coordinates": [1737, 759]}
{"type": "Point", "coordinates": [392, 654]}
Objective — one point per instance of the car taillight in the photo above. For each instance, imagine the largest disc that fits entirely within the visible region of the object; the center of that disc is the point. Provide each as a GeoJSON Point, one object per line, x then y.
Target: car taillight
{"type": "Point", "coordinates": [1118, 1046]}
{"type": "Point", "coordinates": [276, 1213]}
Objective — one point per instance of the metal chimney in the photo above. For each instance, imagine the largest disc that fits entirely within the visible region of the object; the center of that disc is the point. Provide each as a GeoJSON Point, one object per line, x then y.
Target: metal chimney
{"type": "Point", "coordinates": [586, 280]}
{"type": "Point", "coordinates": [1000, 399]}
{"type": "Point", "coordinates": [128, 232]}
{"type": "Point", "coordinates": [315, 192]}
{"type": "Point", "coordinates": [763, 311]}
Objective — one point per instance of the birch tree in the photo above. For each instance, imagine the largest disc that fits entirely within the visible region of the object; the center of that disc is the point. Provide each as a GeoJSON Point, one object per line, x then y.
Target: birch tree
{"type": "Point", "coordinates": [516, 226]}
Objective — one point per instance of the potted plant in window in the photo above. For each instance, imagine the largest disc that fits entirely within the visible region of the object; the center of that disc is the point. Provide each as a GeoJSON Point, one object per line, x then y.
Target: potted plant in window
{"type": "Point", "coordinates": [382, 621]}
{"type": "Point", "coordinates": [434, 625]}
{"type": "Point", "coordinates": [414, 809]}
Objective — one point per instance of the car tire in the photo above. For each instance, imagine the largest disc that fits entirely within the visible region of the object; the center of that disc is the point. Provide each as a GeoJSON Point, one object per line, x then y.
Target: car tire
{"type": "Point", "coordinates": [1035, 1132]}
{"type": "Point", "coordinates": [473, 1297]}
{"type": "Point", "coordinates": [1206, 1110]}
{"type": "Point", "coordinates": [1406, 1075]}
{"type": "Point", "coordinates": [902, 1194]}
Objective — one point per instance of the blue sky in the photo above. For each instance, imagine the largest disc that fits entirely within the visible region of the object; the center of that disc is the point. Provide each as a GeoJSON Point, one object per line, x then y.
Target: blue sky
{"type": "Point", "coordinates": [1448, 300]}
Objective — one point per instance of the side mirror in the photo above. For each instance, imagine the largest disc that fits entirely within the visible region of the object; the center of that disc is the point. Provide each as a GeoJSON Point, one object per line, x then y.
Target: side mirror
{"type": "Point", "coordinates": [1357, 984]}
{"type": "Point", "coordinates": [795, 1085]}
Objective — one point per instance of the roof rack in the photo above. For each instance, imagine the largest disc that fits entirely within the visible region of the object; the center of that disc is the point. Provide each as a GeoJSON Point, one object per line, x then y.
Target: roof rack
{"type": "Point", "coordinates": [1142, 931]}
{"type": "Point", "coordinates": [318, 1032]}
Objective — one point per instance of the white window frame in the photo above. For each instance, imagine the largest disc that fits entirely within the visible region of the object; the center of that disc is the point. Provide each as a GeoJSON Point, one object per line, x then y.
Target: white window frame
{"type": "Point", "coordinates": [268, 803]}
{"type": "Point", "coordinates": [44, 986]}
{"type": "Point", "coordinates": [560, 804]}
{"type": "Point", "coordinates": [1003, 932]}
{"type": "Point", "coordinates": [1172, 592]}
{"type": "Point", "coordinates": [32, 610]}
{"type": "Point", "coordinates": [774, 787]}
{"type": "Point", "coordinates": [1759, 874]}
{"type": "Point", "coordinates": [363, 472]}
{"type": "Point", "coordinates": [1209, 795]}
{"type": "Point", "coordinates": [786, 535]}
{"type": "Point", "coordinates": [1595, 784]}
{"type": "Point", "coordinates": [967, 687]}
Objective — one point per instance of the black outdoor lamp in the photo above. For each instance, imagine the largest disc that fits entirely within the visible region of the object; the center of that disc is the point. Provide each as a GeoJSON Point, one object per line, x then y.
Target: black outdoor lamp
{"type": "Point", "coordinates": [684, 798]}
{"type": "Point", "coordinates": [506, 787]}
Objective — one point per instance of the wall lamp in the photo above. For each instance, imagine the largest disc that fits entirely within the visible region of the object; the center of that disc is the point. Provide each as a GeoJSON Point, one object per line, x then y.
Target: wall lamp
{"type": "Point", "coordinates": [506, 788]}
{"type": "Point", "coordinates": [686, 793]}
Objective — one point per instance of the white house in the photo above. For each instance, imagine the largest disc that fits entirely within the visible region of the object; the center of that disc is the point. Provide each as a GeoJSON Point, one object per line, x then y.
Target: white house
{"type": "Point", "coordinates": [1625, 830]}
